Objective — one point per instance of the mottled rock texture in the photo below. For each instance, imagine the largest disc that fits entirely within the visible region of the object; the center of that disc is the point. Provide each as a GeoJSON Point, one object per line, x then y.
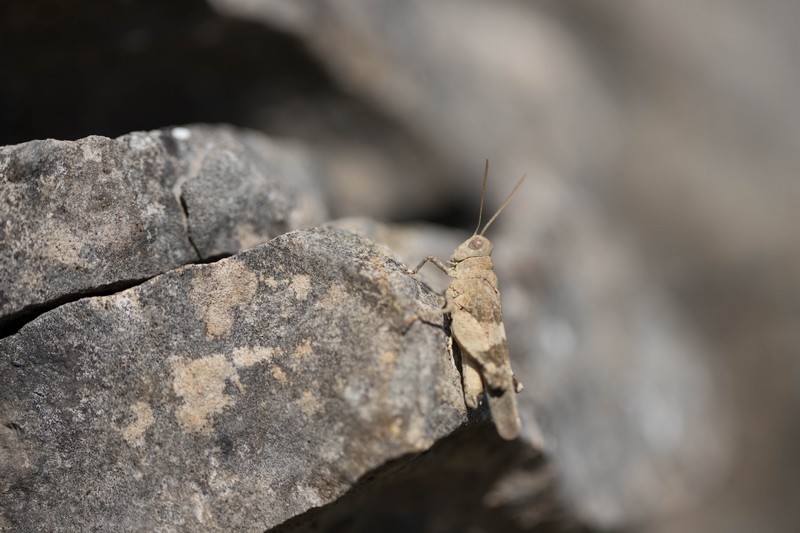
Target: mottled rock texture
{"type": "Point", "coordinates": [648, 267]}
{"type": "Point", "coordinates": [232, 395]}
{"type": "Point", "coordinates": [80, 217]}
{"type": "Point", "coordinates": [410, 243]}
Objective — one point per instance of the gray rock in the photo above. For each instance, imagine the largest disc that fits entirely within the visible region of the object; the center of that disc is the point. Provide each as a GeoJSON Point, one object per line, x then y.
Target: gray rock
{"type": "Point", "coordinates": [85, 215]}
{"type": "Point", "coordinates": [411, 243]}
{"type": "Point", "coordinates": [245, 189]}
{"type": "Point", "coordinates": [227, 396]}
{"type": "Point", "coordinates": [684, 129]}
{"type": "Point", "coordinates": [82, 217]}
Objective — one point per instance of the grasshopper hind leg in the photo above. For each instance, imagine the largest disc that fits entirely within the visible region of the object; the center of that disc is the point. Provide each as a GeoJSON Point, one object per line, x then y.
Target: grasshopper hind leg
{"type": "Point", "coordinates": [472, 381]}
{"type": "Point", "coordinates": [503, 404]}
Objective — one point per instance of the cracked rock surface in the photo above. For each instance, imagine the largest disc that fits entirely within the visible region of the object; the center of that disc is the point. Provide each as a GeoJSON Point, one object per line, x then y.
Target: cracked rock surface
{"type": "Point", "coordinates": [79, 217]}
{"type": "Point", "coordinates": [231, 395]}
{"type": "Point", "coordinates": [647, 267]}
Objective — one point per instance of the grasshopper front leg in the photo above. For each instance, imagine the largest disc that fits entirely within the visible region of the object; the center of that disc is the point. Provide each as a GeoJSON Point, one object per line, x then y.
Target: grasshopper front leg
{"type": "Point", "coordinates": [437, 262]}
{"type": "Point", "coordinates": [444, 268]}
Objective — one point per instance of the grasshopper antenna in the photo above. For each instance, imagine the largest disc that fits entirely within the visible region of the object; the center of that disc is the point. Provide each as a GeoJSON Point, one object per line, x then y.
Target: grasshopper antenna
{"type": "Point", "coordinates": [483, 193]}
{"type": "Point", "coordinates": [510, 196]}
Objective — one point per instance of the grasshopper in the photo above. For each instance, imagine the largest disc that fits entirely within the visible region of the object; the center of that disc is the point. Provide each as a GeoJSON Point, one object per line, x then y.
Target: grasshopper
{"type": "Point", "coordinates": [473, 302]}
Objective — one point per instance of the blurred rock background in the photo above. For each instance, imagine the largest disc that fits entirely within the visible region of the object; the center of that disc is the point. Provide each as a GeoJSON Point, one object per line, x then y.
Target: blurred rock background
{"type": "Point", "coordinates": [652, 294]}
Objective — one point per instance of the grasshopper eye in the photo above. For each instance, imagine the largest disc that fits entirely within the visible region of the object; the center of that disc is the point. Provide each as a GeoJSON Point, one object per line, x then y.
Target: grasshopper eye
{"type": "Point", "coordinates": [476, 243]}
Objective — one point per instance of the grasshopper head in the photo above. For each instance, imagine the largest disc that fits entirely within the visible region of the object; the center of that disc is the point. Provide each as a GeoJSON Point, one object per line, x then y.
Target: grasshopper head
{"type": "Point", "coordinates": [478, 245]}
{"type": "Point", "coordinates": [475, 246]}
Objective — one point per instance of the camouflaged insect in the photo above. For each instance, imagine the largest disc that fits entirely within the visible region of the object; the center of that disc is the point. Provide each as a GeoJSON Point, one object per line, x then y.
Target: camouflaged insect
{"type": "Point", "coordinates": [473, 301]}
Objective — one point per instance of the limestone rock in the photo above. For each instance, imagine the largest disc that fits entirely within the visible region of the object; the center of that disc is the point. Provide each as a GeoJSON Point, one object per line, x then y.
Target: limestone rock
{"type": "Point", "coordinates": [226, 396]}
{"type": "Point", "coordinates": [411, 243]}
{"type": "Point", "coordinates": [676, 121]}
{"type": "Point", "coordinates": [85, 215]}
{"type": "Point", "coordinates": [82, 217]}
{"type": "Point", "coordinates": [246, 189]}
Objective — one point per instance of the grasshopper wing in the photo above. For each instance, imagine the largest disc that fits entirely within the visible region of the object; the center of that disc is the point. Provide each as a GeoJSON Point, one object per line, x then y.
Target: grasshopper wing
{"type": "Point", "coordinates": [478, 329]}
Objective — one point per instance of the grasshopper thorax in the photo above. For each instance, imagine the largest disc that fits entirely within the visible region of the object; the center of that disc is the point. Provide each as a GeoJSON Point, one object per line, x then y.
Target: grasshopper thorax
{"type": "Point", "coordinates": [475, 246]}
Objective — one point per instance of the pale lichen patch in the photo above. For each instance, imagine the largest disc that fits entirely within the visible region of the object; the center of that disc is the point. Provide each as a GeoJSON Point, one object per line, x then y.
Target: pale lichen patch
{"type": "Point", "coordinates": [219, 291]}
{"type": "Point", "coordinates": [155, 209]}
{"type": "Point", "coordinates": [387, 358]}
{"type": "Point", "coordinates": [278, 374]}
{"type": "Point", "coordinates": [249, 356]}
{"type": "Point", "coordinates": [90, 152]}
{"type": "Point", "coordinates": [415, 434]}
{"type": "Point", "coordinates": [309, 495]}
{"type": "Point", "coordinates": [126, 299]}
{"type": "Point", "coordinates": [395, 429]}
{"type": "Point", "coordinates": [301, 285]}
{"type": "Point", "coordinates": [133, 433]}
{"type": "Point", "coordinates": [336, 295]}
{"type": "Point", "coordinates": [142, 141]}
{"type": "Point", "coordinates": [355, 392]}
{"type": "Point", "coordinates": [303, 349]}
{"type": "Point", "coordinates": [201, 384]}
{"type": "Point", "coordinates": [201, 506]}
{"type": "Point", "coordinates": [332, 448]}
{"type": "Point", "coordinates": [126, 303]}
{"type": "Point", "coordinates": [270, 282]}
{"type": "Point", "coordinates": [309, 403]}
{"type": "Point", "coordinates": [64, 246]}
